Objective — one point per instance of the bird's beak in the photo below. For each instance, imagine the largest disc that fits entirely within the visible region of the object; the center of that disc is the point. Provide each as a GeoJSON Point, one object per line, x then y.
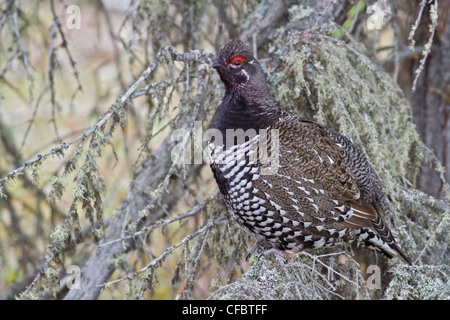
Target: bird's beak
{"type": "Point", "coordinates": [217, 65]}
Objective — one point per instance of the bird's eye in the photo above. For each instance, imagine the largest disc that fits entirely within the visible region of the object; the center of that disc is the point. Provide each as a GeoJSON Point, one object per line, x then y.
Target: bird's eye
{"type": "Point", "coordinates": [238, 60]}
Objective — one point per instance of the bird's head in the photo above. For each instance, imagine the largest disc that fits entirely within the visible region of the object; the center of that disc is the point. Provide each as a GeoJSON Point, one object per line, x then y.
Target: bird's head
{"type": "Point", "coordinates": [237, 66]}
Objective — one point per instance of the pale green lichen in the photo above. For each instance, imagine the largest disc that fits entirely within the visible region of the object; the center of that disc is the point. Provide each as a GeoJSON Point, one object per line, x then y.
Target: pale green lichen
{"type": "Point", "coordinates": [419, 283]}
{"type": "Point", "coordinates": [57, 189]}
{"type": "Point", "coordinates": [60, 234]}
{"type": "Point", "coordinates": [427, 46]}
{"type": "Point", "coordinates": [308, 277]}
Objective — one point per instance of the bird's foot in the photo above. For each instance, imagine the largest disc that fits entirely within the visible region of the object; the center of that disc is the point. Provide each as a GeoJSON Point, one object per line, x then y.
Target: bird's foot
{"type": "Point", "coordinates": [287, 256]}
{"type": "Point", "coordinates": [267, 248]}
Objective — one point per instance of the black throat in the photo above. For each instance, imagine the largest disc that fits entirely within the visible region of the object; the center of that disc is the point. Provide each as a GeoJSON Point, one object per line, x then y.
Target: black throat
{"type": "Point", "coordinates": [237, 112]}
{"type": "Point", "coordinates": [246, 110]}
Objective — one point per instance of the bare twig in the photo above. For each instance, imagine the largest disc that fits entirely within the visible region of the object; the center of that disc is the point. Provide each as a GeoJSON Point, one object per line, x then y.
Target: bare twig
{"type": "Point", "coordinates": [162, 223]}
{"type": "Point", "coordinates": [168, 251]}
{"type": "Point", "coordinates": [65, 145]}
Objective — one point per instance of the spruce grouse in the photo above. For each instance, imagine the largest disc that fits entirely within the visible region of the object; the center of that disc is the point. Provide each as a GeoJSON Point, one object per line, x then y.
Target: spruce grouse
{"type": "Point", "coordinates": [319, 189]}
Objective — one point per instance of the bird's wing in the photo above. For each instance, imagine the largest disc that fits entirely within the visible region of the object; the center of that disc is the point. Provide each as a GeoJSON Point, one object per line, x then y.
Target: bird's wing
{"type": "Point", "coordinates": [313, 177]}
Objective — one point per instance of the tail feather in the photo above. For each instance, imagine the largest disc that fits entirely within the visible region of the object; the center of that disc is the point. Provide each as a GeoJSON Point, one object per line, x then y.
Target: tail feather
{"type": "Point", "coordinates": [399, 253]}
{"type": "Point", "coordinates": [373, 240]}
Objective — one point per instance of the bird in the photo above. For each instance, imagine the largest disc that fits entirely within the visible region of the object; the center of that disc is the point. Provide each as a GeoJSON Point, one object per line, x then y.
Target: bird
{"type": "Point", "coordinates": [319, 190]}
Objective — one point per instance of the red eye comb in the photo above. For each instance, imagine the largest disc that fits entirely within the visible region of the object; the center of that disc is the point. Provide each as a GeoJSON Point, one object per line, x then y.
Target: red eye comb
{"type": "Point", "coordinates": [237, 58]}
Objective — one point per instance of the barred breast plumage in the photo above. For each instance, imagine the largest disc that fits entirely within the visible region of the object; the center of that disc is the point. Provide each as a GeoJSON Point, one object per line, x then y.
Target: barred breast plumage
{"type": "Point", "coordinates": [319, 191]}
